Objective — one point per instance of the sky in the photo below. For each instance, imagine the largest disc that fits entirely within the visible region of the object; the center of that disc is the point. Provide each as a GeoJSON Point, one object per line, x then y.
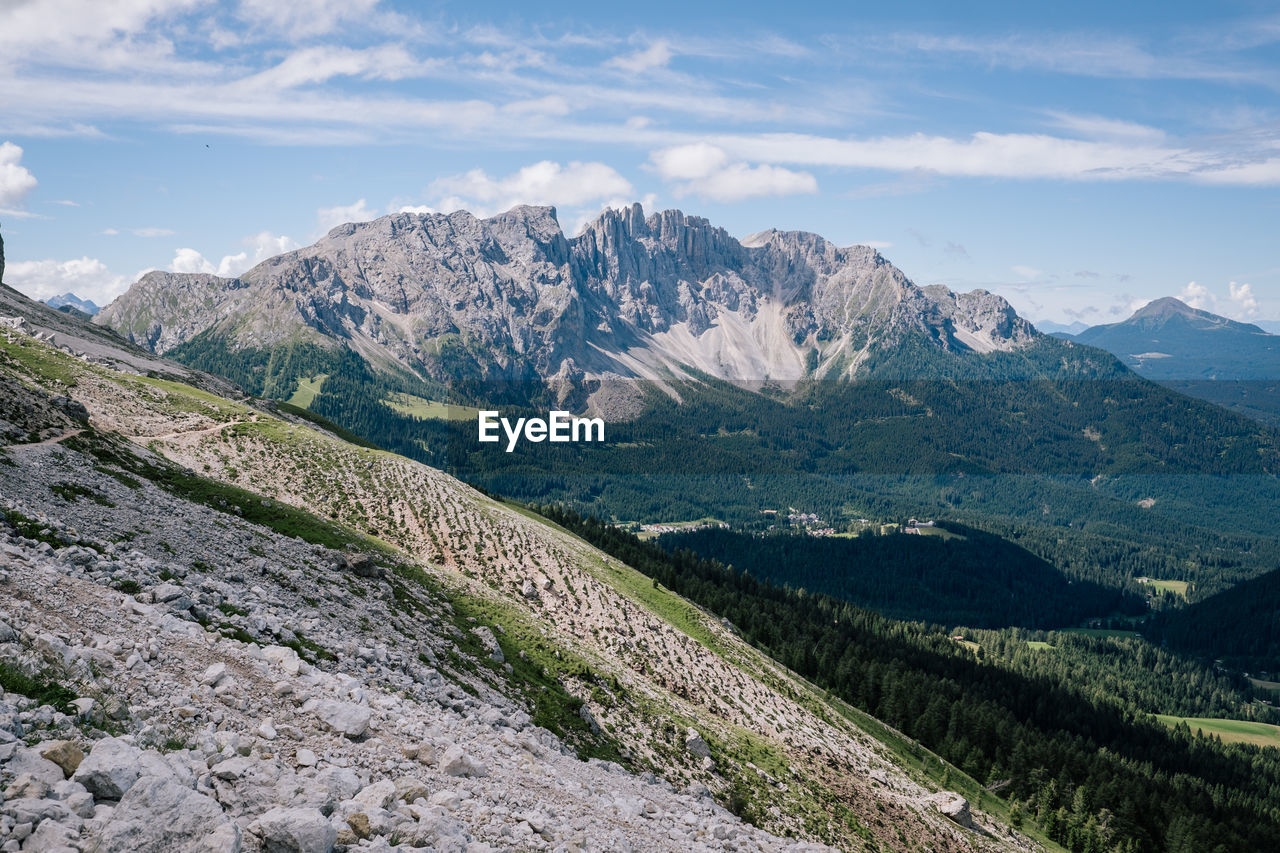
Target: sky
{"type": "Point", "coordinates": [1079, 159]}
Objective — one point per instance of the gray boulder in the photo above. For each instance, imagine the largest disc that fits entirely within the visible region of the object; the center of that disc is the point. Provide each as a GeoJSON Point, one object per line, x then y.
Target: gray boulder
{"type": "Point", "coordinates": [345, 717]}
{"type": "Point", "coordinates": [112, 767]}
{"type": "Point", "coordinates": [159, 815]}
{"type": "Point", "coordinates": [296, 830]}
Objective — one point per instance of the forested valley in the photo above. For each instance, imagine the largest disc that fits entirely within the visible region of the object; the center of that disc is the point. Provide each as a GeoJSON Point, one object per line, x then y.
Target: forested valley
{"type": "Point", "coordinates": [1061, 729]}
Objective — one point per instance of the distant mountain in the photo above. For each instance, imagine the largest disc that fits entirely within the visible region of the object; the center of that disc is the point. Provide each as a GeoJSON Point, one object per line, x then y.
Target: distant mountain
{"type": "Point", "coordinates": [70, 299]}
{"type": "Point", "coordinates": [1168, 339]}
{"type": "Point", "coordinates": [1049, 327]}
{"type": "Point", "coordinates": [1198, 353]}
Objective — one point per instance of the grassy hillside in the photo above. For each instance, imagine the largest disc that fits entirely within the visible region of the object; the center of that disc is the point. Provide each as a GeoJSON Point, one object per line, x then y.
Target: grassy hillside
{"type": "Point", "coordinates": [620, 668]}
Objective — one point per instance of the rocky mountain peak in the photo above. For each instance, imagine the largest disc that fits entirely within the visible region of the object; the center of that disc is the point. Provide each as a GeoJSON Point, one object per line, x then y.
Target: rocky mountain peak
{"type": "Point", "coordinates": [632, 296]}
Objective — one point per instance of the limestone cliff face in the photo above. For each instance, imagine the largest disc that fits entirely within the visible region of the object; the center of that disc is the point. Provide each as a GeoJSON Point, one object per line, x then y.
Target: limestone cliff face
{"type": "Point", "coordinates": [632, 296]}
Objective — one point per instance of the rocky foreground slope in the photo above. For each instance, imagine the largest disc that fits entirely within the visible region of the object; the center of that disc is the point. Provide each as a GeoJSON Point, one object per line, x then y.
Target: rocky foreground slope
{"type": "Point", "coordinates": [354, 651]}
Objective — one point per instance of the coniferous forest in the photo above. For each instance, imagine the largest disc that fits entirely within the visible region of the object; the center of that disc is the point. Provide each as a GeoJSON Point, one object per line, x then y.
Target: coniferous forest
{"type": "Point", "coordinates": [1071, 744]}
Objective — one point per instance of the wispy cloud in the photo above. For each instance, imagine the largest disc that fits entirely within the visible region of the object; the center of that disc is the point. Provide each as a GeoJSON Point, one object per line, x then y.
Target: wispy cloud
{"type": "Point", "coordinates": [656, 55]}
{"type": "Point", "coordinates": [1089, 55]}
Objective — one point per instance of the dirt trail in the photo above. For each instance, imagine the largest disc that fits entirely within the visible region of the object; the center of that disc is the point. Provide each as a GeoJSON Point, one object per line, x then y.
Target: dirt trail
{"type": "Point", "coordinates": [48, 441]}
{"type": "Point", "coordinates": [184, 433]}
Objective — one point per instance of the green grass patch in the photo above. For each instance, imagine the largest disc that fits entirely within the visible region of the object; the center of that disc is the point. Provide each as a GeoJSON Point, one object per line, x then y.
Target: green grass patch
{"type": "Point", "coordinates": [41, 687]}
{"type": "Point", "coordinates": [941, 533]}
{"type": "Point", "coordinates": [420, 407]}
{"type": "Point", "coordinates": [72, 492]}
{"type": "Point", "coordinates": [306, 392]}
{"type": "Point", "coordinates": [1178, 588]}
{"type": "Point", "coordinates": [40, 360]}
{"type": "Point", "coordinates": [29, 528]}
{"type": "Point", "coordinates": [1230, 731]}
{"type": "Point", "coordinates": [1265, 685]}
{"type": "Point", "coordinates": [1038, 644]}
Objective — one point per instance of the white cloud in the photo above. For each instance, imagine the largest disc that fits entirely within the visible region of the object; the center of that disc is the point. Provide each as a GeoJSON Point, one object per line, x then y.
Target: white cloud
{"type": "Point", "coordinates": [1088, 55]}
{"type": "Point", "coordinates": [317, 65]}
{"type": "Point", "coordinates": [15, 179]}
{"type": "Point", "coordinates": [1246, 304]}
{"type": "Point", "coordinates": [190, 261]}
{"type": "Point", "coordinates": [1198, 296]}
{"type": "Point", "coordinates": [739, 181]}
{"type": "Point", "coordinates": [1009, 155]}
{"type": "Point", "coordinates": [545, 182]}
{"type": "Point", "coordinates": [111, 232]}
{"type": "Point", "coordinates": [261, 246]}
{"type": "Point", "coordinates": [88, 278]}
{"type": "Point", "coordinates": [331, 217]}
{"type": "Point", "coordinates": [152, 232]}
{"type": "Point", "coordinates": [1240, 303]}
{"type": "Point", "coordinates": [689, 162]}
{"type": "Point", "coordinates": [65, 202]}
{"type": "Point", "coordinates": [86, 32]}
{"type": "Point", "coordinates": [304, 18]}
{"type": "Point", "coordinates": [1100, 127]}
{"type": "Point", "coordinates": [416, 208]}
{"type": "Point", "coordinates": [1026, 272]}
{"type": "Point", "coordinates": [656, 55]}
{"type": "Point", "coordinates": [705, 170]}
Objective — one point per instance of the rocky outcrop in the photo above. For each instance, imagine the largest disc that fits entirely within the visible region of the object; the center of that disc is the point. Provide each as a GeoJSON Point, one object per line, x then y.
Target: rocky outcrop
{"type": "Point", "coordinates": [511, 298]}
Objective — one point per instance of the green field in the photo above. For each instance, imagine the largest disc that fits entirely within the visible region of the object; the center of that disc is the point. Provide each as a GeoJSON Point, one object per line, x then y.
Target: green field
{"type": "Point", "coordinates": [939, 532]}
{"type": "Point", "coordinates": [1038, 644]}
{"type": "Point", "coordinates": [307, 391]}
{"type": "Point", "coordinates": [419, 407]}
{"type": "Point", "coordinates": [1265, 685]}
{"type": "Point", "coordinates": [1231, 731]}
{"type": "Point", "coordinates": [1178, 588]}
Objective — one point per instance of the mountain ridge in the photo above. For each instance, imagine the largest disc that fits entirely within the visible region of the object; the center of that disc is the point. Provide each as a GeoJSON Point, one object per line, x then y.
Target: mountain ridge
{"type": "Point", "coordinates": [513, 299]}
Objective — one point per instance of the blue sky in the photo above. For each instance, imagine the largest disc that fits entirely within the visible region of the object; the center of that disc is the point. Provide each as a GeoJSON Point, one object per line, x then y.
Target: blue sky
{"type": "Point", "coordinates": [1079, 159]}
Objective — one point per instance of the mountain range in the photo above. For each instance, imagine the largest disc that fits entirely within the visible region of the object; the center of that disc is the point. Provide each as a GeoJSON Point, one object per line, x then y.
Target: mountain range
{"type": "Point", "coordinates": [511, 299]}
